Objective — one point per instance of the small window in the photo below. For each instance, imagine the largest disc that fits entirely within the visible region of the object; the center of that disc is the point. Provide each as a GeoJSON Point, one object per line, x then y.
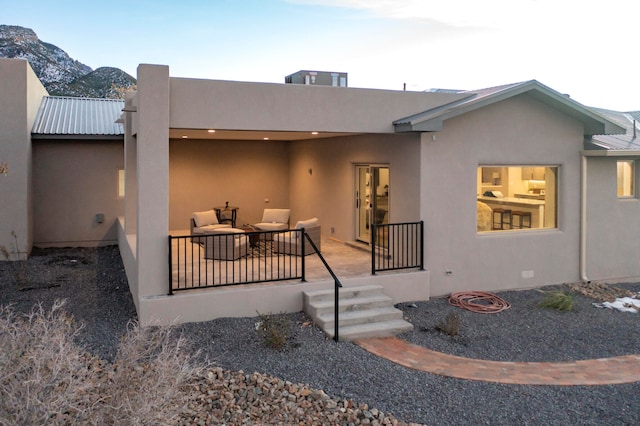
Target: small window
{"type": "Point", "coordinates": [120, 183]}
{"type": "Point", "coordinates": [521, 197]}
{"type": "Point", "coordinates": [626, 181]}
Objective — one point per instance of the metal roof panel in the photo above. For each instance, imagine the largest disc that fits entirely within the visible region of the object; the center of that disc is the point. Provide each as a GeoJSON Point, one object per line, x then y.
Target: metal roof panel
{"type": "Point", "coordinates": [628, 141]}
{"type": "Point", "coordinates": [62, 115]}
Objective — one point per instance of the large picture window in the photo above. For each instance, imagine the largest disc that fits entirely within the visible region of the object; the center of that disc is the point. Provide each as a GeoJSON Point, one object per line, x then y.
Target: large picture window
{"type": "Point", "coordinates": [626, 181]}
{"type": "Point", "coordinates": [517, 197]}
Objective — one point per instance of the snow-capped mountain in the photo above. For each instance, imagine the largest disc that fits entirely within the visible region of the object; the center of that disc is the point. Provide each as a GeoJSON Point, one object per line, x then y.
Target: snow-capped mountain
{"type": "Point", "coordinates": [60, 74]}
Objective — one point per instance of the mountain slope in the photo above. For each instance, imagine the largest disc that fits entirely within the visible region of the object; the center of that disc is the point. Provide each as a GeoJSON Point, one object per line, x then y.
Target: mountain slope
{"type": "Point", "coordinates": [101, 83]}
{"type": "Point", "coordinates": [60, 74]}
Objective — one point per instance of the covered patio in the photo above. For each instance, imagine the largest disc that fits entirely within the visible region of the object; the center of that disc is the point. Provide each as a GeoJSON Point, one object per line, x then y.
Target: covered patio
{"type": "Point", "coordinates": [253, 257]}
{"type": "Point", "coordinates": [346, 260]}
{"type": "Point", "coordinates": [185, 154]}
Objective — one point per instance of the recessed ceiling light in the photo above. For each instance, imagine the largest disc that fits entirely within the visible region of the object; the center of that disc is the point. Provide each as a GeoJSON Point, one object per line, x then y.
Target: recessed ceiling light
{"type": "Point", "coordinates": [211, 131]}
{"type": "Point", "coordinates": [314, 133]}
{"type": "Point", "coordinates": [185, 137]}
{"type": "Point", "coordinates": [266, 139]}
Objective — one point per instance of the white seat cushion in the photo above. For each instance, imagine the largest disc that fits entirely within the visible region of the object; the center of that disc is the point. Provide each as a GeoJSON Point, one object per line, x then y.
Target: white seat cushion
{"type": "Point", "coordinates": [270, 226]}
{"type": "Point", "coordinates": [208, 229]}
{"type": "Point", "coordinates": [205, 218]}
{"type": "Point", "coordinates": [307, 223]}
{"type": "Point", "coordinates": [275, 216]}
{"type": "Point", "coordinates": [227, 230]}
{"type": "Point", "coordinates": [286, 237]}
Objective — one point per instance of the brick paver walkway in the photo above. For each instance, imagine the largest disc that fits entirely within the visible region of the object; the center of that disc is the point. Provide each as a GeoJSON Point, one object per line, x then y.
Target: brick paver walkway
{"type": "Point", "coordinates": [603, 371]}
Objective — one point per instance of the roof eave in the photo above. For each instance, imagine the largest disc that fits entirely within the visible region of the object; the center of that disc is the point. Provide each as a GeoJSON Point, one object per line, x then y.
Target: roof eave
{"type": "Point", "coordinates": [611, 153]}
{"type": "Point", "coordinates": [58, 137]}
{"type": "Point", "coordinates": [425, 126]}
{"type": "Point", "coordinates": [593, 122]}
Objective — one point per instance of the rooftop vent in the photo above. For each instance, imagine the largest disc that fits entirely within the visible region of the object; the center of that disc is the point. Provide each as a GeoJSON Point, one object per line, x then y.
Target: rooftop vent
{"type": "Point", "coordinates": [318, 78]}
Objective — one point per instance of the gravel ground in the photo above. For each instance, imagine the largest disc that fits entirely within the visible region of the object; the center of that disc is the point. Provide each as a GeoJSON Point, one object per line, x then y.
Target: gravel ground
{"type": "Point", "coordinates": [93, 282]}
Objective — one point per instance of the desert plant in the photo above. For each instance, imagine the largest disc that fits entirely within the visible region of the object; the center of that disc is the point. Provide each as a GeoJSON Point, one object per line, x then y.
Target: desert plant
{"type": "Point", "coordinates": [46, 378]}
{"type": "Point", "coordinates": [450, 325]}
{"type": "Point", "coordinates": [558, 300]}
{"type": "Point", "coordinates": [275, 330]}
{"type": "Point", "coordinates": [42, 372]}
{"type": "Point", "coordinates": [149, 381]}
{"type": "Point", "coordinates": [19, 268]}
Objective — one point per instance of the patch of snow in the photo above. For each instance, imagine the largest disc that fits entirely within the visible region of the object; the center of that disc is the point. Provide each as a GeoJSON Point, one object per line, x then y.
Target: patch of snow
{"type": "Point", "coordinates": [624, 304]}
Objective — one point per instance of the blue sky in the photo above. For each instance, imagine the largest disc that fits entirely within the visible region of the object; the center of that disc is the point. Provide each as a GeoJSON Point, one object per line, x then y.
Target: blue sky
{"type": "Point", "coordinates": [585, 48]}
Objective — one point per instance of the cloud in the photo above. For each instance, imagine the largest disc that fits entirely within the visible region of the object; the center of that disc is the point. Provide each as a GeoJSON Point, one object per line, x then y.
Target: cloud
{"type": "Point", "coordinates": [460, 13]}
{"type": "Point", "coordinates": [585, 15]}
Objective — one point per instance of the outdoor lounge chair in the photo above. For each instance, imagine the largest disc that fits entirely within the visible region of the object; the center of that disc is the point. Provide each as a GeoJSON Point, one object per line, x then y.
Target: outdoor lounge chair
{"type": "Point", "coordinates": [291, 242]}
{"type": "Point", "coordinates": [205, 222]}
{"type": "Point", "coordinates": [274, 220]}
{"type": "Point", "coordinates": [225, 244]}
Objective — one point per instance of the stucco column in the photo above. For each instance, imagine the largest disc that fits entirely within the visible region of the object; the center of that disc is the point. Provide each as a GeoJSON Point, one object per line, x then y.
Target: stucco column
{"type": "Point", "coordinates": [21, 95]}
{"type": "Point", "coordinates": [153, 180]}
{"type": "Point", "coordinates": [130, 177]}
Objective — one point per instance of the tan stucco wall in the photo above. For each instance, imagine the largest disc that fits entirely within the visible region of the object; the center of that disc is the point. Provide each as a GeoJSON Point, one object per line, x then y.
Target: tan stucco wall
{"type": "Point", "coordinates": [72, 182]}
{"type": "Point", "coordinates": [613, 246]}
{"type": "Point", "coordinates": [249, 300]}
{"type": "Point", "coordinates": [513, 132]}
{"type": "Point", "coordinates": [207, 104]}
{"type": "Point", "coordinates": [329, 191]}
{"type": "Point", "coordinates": [206, 173]}
{"type": "Point", "coordinates": [152, 169]}
{"type": "Point", "coordinates": [21, 95]}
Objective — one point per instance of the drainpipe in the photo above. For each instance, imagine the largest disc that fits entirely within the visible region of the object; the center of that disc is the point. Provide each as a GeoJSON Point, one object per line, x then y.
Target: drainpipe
{"type": "Point", "coordinates": [583, 222]}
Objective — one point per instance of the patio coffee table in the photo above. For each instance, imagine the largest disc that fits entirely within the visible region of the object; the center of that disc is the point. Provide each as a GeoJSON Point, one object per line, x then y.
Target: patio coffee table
{"type": "Point", "coordinates": [253, 238]}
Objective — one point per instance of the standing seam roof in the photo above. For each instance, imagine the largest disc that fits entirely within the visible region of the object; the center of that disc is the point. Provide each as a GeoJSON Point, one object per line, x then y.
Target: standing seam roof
{"type": "Point", "coordinates": [60, 115]}
{"type": "Point", "coordinates": [630, 140]}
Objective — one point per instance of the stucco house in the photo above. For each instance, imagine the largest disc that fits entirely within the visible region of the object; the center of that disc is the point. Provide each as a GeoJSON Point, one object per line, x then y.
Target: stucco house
{"type": "Point", "coordinates": [557, 179]}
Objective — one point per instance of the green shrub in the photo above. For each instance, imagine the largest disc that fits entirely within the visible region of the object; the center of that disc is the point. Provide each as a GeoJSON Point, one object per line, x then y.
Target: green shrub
{"type": "Point", "coordinates": [450, 325]}
{"type": "Point", "coordinates": [275, 330]}
{"type": "Point", "coordinates": [558, 300]}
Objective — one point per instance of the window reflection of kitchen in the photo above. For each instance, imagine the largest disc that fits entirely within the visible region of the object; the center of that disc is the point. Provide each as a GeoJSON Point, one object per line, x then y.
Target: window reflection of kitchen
{"type": "Point", "coordinates": [516, 182]}
{"type": "Point", "coordinates": [529, 189]}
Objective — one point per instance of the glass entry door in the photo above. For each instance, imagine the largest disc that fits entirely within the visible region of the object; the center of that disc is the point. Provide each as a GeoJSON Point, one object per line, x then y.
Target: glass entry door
{"type": "Point", "coordinates": [372, 199]}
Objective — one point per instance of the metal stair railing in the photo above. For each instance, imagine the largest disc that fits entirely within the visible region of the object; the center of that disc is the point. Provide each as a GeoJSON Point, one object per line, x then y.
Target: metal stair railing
{"type": "Point", "coordinates": [337, 283]}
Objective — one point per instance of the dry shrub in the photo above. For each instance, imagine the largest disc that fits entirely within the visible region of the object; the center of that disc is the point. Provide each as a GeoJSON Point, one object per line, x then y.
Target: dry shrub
{"type": "Point", "coordinates": [46, 378]}
{"type": "Point", "coordinates": [275, 330]}
{"type": "Point", "coordinates": [150, 379]}
{"type": "Point", "coordinates": [450, 325]}
{"type": "Point", "coordinates": [19, 268]}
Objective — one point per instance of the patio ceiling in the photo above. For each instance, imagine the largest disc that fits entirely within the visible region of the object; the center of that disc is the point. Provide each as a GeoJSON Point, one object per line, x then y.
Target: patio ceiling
{"type": "Point", "coordinates": [250, 134]}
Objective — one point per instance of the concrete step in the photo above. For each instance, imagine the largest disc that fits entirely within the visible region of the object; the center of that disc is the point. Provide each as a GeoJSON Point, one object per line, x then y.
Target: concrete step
{"type": "Point", "coordinates": [364, 312]}
{"type": "Point", "coordinates": [369, 330]}
{"type": "Point", "coordinates": [344, 292]}
{"type": "Point", "coordinates": [387, 313]}
{"type": "Point", "coordinates": [316, 309]}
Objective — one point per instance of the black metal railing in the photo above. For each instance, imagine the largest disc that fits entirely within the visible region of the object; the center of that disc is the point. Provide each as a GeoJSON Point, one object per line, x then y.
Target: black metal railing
{"type": "Point", "coordinates": [336, 286]}
{"type": "Point", "coordinates": [214, 260]}
{"type": "Point", "coordinates": [397, 246]}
